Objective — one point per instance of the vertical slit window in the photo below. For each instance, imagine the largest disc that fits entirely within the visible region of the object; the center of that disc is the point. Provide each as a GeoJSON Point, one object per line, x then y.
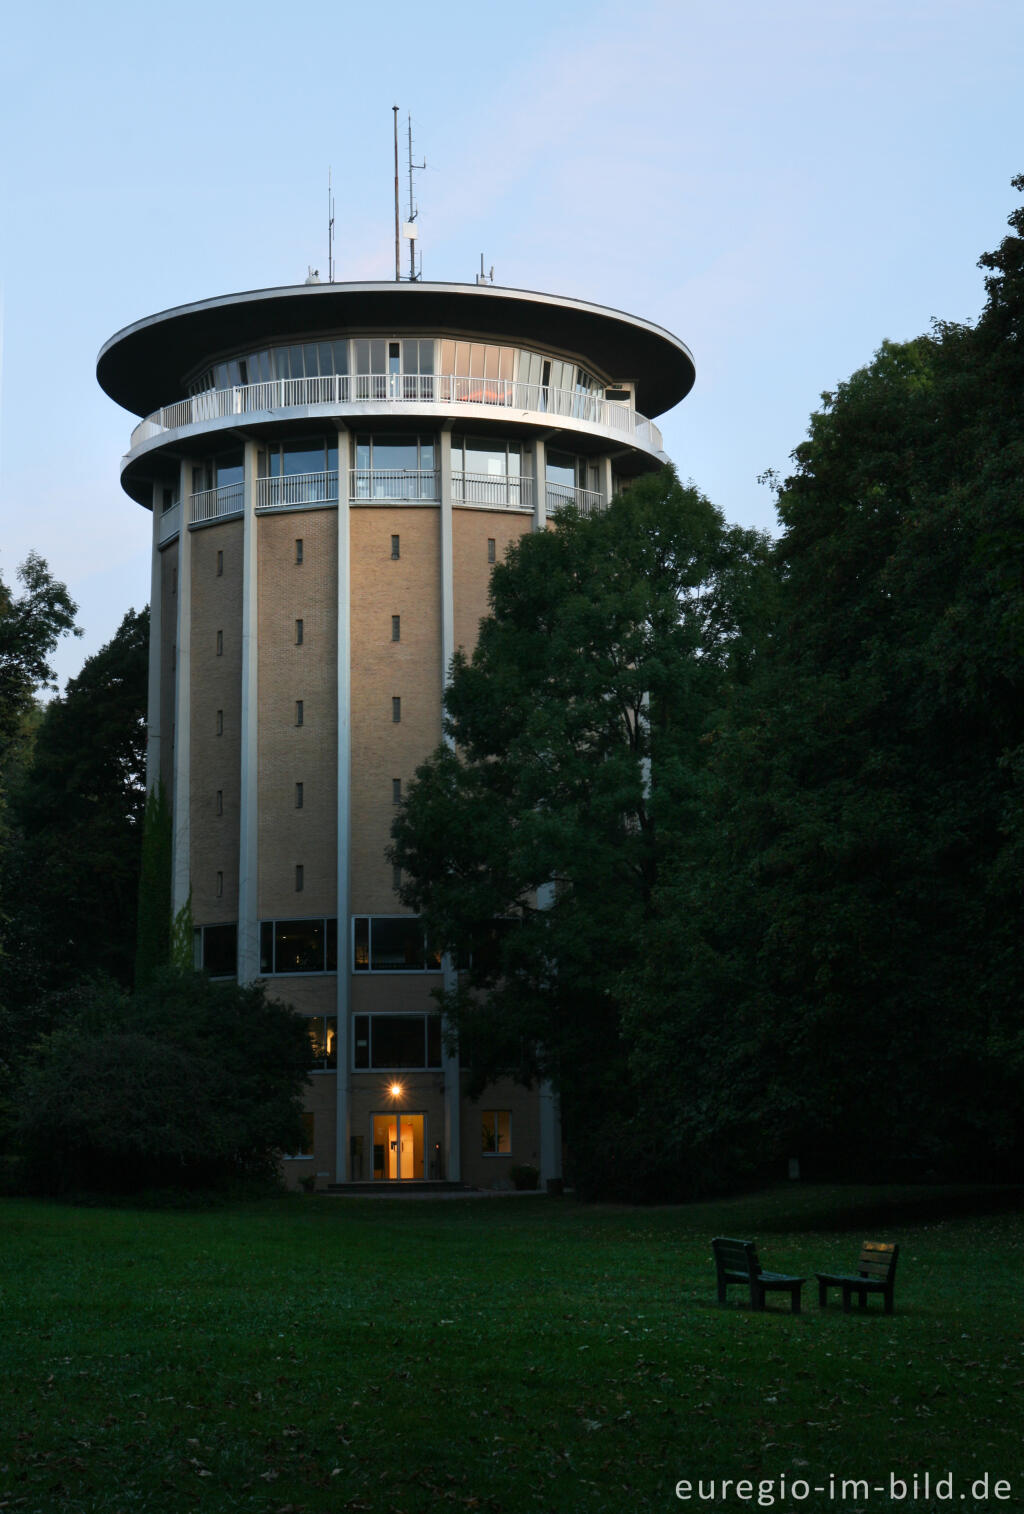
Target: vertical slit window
{"type": "Point", "coordinates": [396, 878]}
{"type": "Point", "coordinates": [298, 549]}
{"type": "Point", "coordinates": [220, 564]}
{"type": "Point", "coordinates": [298, 633]}
{"type": "Point", "coordinates": [220, 801]}
{"type": "Point", "coordinates": [298, 712]}
{"type": "Point", "coordinates": [396, 791]}
{"type": "Point", "coordinates": [298, 796]}
{"type": "Point", "coordinates": [395, 545]}
{"type": "Point", "coordinates": [220, 643]}
{"type": "Point", "coordinates": [396, 708]}
{"type": "Point", "coordinates": [396, 628]}
{"type": "Point", "coordinates": [220, 885]}
{"type": "Point", "coordinates": [490, 549]}
{"type": "Point", "coordinates": [300, 877]}
{"type": "Point", "coordinates": [220, 722]}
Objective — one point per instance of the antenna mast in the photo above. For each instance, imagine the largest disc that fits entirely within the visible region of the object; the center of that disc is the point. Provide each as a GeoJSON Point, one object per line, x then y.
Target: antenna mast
{"type": "Point", "coordinates": [398, 243]}
{"type": "Point", "coordinates": [411, 229]}
{"type": "Point", "coordinates": [330, 230]}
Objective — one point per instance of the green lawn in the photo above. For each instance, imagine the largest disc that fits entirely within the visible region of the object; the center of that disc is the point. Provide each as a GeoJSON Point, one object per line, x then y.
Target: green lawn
{"type": "Point", "coordinates": [509, 1355]}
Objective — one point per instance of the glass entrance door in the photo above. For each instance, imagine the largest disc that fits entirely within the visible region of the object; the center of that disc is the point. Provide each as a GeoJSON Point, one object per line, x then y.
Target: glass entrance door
{"type": "Point", "coordinates": [398, 1147]}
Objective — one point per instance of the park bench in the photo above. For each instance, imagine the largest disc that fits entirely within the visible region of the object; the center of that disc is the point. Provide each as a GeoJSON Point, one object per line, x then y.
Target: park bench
{"type": "Point", "coordinates": [736, 1262]}
{"type": "Point", "coordinates": [876, 1273]}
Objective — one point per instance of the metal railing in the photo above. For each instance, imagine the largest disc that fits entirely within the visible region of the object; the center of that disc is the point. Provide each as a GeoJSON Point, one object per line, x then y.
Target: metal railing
{"type": "Point", "coordinates": [297, 489]}
{"type": "Point", "coordinates": [398, 389]}
{"type": "Point", "coordinates": [501, 491]}
{"type": "Point", "coordinates": [586, 501]}
{"type": "Point", "coordinates": [393, 483]}
{"type": "Point", "coordinates": [170, 522]}
{"type": "Point", "coordinates": [212, 504]}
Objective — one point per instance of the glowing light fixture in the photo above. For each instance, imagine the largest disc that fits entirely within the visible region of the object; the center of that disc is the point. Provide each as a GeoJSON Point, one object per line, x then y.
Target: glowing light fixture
{"type": "Point", "coordinates": [396, 1090]}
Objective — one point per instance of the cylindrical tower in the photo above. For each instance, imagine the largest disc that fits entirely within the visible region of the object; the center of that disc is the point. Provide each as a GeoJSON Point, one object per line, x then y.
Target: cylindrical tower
{"type": "Point", "coordinates": [332, 471]}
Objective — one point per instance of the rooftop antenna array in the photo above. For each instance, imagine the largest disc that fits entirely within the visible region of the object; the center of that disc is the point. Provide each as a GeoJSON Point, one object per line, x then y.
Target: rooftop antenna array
{"type": "Point", "coordinates": [485, 278]}
{"type": "Point", "coordinates": [330, 229]}
{"type": "Point", "coordinates": [408, 229]}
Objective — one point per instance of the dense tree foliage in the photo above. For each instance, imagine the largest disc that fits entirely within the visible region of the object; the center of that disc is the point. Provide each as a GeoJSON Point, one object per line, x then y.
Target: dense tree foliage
{"type": "Point", "coordinates": [186, 1083]}
{"type": "Point", "coordinates": [30, 627]}
{"type": "Point", "coordinates": [838, 966]}
{"type": "Point", "coordinates": [75, 810]}
{"type": "Point", "coordinates": [532, 844]}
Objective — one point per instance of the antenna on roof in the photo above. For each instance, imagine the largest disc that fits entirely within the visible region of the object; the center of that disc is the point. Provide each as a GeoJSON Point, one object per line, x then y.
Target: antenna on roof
{"type": "Point", "coordinates": [485, 278]}
{"type": "Point", "coordinates": [410, 229]}
{"type": "Point", "coordinates": [398, 240]}
{"type": "Point", "coordinates": [330, 229]}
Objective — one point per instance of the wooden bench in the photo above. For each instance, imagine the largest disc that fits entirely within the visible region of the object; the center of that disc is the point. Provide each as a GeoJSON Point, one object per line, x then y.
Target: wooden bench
{"type": "Point", "coordinates": [876, 1273]}
{"type": "Point", "coordinates": [736, 1262]}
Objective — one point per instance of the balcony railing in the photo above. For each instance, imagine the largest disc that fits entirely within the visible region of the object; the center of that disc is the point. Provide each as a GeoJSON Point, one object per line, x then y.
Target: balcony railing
{"type": "Point", "coordinates": [393, 483]}
{"type": "Point", "coordinates": [398, 389]}
{"type": "Point", "coordinates": [212, 504]}
{"type": "Point", "coordinates": [297, 489]}
{"type": "Point", "coordinates": [500, 491]}
{"type": "Point", "coordinates": [170, 522]}
{"type": "Point", "coordinates": [586, 501]}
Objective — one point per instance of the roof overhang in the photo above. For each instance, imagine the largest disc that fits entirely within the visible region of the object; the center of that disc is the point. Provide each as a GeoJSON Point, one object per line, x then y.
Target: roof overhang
{"type": "Point", "coordinates": [147, 364]}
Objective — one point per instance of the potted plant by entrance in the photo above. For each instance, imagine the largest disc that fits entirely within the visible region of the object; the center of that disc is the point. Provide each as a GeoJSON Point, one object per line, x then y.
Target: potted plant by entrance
{"type": "Point", "coordinates": [524, 1176]}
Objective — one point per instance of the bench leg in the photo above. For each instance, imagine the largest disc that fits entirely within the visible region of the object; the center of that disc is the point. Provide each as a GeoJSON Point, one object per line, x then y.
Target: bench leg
{"type": "Point", "coordinates": [794, 1294]}
{"type": "Point", "coordinates": [822, 1295]}
{"type": "Point", "coordinates": [888, 1300]}
{"type": "Point", "coordinates": [846, 1299]}
{"type": "Point", "coordinates": [756, 1297]}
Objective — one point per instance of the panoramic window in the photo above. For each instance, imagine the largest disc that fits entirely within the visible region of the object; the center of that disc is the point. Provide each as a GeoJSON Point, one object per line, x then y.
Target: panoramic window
{"type": "Point", "coordinates": [396, 1041]}
{"type": "Point", "coordinates": [487, 471]}
{"type": "Point", "coordinates": [393, 466]}
{"type": "Point", "coordinates": [495, 1132]}
{"type": "Point", "coordinates": [298, 946]}
{"type": "Point", "coordinates": [316, 454]}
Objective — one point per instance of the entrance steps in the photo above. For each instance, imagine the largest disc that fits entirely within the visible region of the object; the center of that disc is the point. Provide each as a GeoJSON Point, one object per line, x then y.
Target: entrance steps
{"type": "Point", "coordinates": [393, 1186]}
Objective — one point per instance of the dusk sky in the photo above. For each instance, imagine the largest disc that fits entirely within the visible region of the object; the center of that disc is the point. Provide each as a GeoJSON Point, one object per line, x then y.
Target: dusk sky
{"type": "Point", "coordinates": [781, 186]}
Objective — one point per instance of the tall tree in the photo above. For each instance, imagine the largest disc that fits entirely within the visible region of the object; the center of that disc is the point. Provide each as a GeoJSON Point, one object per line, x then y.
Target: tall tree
{"type": "Point", "coordinates": [840, 961]}
{"type": "Point", "coordinates": [73, 867]}
{"type": "Point", "coordinates": [532, 842]}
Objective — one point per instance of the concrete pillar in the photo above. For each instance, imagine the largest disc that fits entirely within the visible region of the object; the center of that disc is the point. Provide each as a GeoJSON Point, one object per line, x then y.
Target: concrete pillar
{"type": "Point", "coordinates": [605, 467]}
{"type": "Point", "coordinates": [155, 641]}
{"type": "Point", "coordinates": [452, 1091]}
{"type": "Point", "coordinates": [343, 1129]}
{"type": "Point", "coordinates": [248, 826]}
{"type": "Point", "coordinates": [540, 484]}
{"type": "Point", "coordinates": [181, 868]}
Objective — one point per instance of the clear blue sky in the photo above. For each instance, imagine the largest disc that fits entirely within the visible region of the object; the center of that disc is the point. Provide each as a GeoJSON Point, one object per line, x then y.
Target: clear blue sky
{"type": "Point", "coordinates": [781, 185]}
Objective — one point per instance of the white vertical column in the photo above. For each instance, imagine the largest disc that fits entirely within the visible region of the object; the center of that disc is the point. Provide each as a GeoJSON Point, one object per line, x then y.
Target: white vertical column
{"type": "Point", "coordinates": [248, 820]}
{"type": "Point", "coordinates": [452, 1091]}
{"type": "Point", "coordinates": [550, 1134]}
{"type": "Point", "coordinates": [181, 868]}
{"type": "Point", "coordinates": [344, 908]}
{"type": "Point", "coordinates": [540, 484]}
{"type": "Point", "coordinates": [605, 466]}
{"type": "Point", "coordinates": [155, 646]}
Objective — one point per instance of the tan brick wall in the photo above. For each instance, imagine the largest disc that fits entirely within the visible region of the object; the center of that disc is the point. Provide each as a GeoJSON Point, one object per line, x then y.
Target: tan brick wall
{"type": "Point", "coordinates": [216, 685]}
{"type": "Point", "coordinates": [381, 668]}
{"type": "Point", "coordinates": [481, 1171]}
{"type": "Point", "coordinates": [471, 572]}
{"type": "Point", "coordinates": [290, 754]}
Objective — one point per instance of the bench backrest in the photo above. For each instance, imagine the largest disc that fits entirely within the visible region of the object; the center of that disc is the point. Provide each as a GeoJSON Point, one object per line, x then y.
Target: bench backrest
{"type": "Point", "coordinates": [878, 1260]}
{"type": "Point", "coordinates": [732, 1255]}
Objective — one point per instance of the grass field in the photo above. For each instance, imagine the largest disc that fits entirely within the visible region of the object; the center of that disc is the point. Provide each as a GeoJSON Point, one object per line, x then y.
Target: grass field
{"type": "Point", "coordinates": [507, 1355]}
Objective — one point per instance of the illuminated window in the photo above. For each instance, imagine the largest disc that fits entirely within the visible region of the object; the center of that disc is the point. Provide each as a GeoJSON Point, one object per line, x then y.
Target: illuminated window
{"type": "Point", "coordinates": [495, 1132]}
{"type": "Point", "coordinates": [298, 946]}
{"type": "Point", "coordinates": [323, 1040]}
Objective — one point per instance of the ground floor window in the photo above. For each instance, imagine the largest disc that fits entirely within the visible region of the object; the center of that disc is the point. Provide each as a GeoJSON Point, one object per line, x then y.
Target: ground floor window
{"type": "Point", "coordinates": [495, 1132]}
{"type": "Point", "coordinates": [215, 949]}
{"type": "Point", "coordinates": [306, 1144]}
{"type": "Point", "coordinates": [396, 1042]}
{"type": "Point", "coordinates": [391, 944]}
{"type": "Point", "coordinates": [323, 1040]}
{"type": "Point", "coordinates": [298, 946]}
